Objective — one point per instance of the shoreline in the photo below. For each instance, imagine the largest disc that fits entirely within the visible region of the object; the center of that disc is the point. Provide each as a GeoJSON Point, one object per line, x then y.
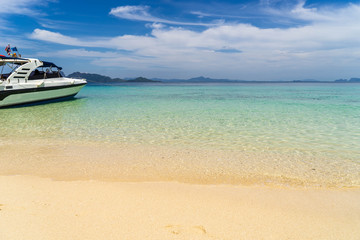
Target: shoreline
{"type": "Point", "coordinates": [41, 208]}
{"type": "Point", "coordinates": [75, 160]}
{"type": "Point", "coordinates": [47, 191]}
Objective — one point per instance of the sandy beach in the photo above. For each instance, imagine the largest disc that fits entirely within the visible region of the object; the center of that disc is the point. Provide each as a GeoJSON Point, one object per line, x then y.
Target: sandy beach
{"type": "Point", "coordinates": [77, 160]}
{"type": "Point", "coordinates": [41, 208]}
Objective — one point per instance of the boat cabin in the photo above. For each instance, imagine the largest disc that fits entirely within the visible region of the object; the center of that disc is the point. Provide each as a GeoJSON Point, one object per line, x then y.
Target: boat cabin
{"type": "Point", "coordinates": [22, 70]}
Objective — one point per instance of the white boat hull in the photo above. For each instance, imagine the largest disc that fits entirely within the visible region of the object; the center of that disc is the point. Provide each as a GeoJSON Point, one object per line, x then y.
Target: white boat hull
{"type": "Point", "coordinates": [26, 96]}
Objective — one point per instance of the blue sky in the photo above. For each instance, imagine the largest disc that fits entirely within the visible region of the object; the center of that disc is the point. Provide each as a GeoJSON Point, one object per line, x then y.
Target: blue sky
{"type": "Point", "coordinates": [250, 40]}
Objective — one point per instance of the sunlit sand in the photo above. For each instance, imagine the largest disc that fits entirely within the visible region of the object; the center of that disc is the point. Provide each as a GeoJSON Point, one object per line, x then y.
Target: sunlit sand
{"type": "Point", "coordinates": [38, 208]}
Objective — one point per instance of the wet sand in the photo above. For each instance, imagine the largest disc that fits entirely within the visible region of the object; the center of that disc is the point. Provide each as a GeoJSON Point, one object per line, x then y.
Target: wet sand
{"type": "Point", "coordinates": [109, 161]}
{"type": "Point", "coordinates": [40, 208]}
{"type": "Point", "coordinates": [83, 190]}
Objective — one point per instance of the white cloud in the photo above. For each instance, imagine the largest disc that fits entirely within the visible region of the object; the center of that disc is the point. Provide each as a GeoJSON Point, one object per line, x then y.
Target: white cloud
{"type": "Point", "coordinates": [313, 14]}
{"type": "Point", "coordinates": [320, 49]}
{"type": "Point", "coordinates": [79, 53]}
{"type": "Point", "coordinates": [141, 13]}
{"type": "Point", "coordinates": [18, 7]}
{"type": "Point", "coordinates": [55, 37]}
{"type": "Point", "coordinates": [201, 14]}
{"type": "Point", "coordinates": [134, 13]}
{"type": "Point", "coordinates": [23, 7]}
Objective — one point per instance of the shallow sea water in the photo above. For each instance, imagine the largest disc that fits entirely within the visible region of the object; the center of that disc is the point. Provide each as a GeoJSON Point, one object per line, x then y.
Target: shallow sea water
{"type": "Point", "coordinates": [295, 131]}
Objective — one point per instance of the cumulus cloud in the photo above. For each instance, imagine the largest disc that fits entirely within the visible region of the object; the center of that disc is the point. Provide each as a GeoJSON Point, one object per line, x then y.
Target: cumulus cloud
{"type": "Point", "coordinates": [313, 14]}
{"type": "Point", "coordinates": [55, 37]}
{"type": "Point", "coordinates": [241, 50]}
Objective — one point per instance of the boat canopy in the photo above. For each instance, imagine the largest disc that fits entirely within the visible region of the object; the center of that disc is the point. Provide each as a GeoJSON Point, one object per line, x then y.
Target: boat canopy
{"type": "Point", "coordinates": [50, 64]}
{"type": "Point", "coordinates": [16, 60]}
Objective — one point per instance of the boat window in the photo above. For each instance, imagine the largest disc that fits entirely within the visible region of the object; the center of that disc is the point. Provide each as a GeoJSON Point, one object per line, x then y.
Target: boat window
{"type": "Point", "coordinates": [53, 74]}
{"type": "Point", "coordinates": [36, 74]}
{"type": "Point", "coordinates": [41, 73]}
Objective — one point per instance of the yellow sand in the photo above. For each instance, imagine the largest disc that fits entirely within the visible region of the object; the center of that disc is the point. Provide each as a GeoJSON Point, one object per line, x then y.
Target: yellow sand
{"type": "Point", "coordinates": [33, 208]}
{"type": "Point", "coordinates": [74, 160]}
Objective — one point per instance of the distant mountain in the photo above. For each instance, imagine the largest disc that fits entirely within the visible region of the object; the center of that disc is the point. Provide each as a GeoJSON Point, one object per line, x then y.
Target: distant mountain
{"type": "Point", "coordinates": [351, 80]}
{"type": "Point", "coordinates": [100, 79]}
{"type": "Point", "coordinates": [93, 78]}
{"type": "Point", "coordinates": [202, 79]}
{"type": "Point", "coordinates": [354, 80]}
{"type": "Point", "coordinates": [205, 79]}
{"type": "Point", "coordinates": [169, 80]}
{"type": "Point", "coordinates": [307, 81]}
{"type": "Point", "coordinates": [141, 79]}
{"type": "Point", "coordinates": [341, 80]}
{"type": "Point", "coordinates": [96, 78]}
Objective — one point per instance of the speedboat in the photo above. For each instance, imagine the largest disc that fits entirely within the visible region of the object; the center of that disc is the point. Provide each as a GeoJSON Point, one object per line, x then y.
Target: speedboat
{"type": "Point", "coordinates": [31, 80]}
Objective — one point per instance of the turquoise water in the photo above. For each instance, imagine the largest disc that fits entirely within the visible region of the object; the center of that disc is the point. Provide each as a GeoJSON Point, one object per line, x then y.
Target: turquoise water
{"type": "Point", "coordinates": [310, 121]}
